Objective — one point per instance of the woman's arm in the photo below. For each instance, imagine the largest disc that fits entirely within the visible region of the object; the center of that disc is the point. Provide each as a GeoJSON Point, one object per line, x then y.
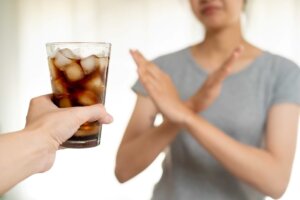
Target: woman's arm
{"type": "Point", "coordinates": [267, 169]}
{"type": "Point", "coordinates": [142, 142]}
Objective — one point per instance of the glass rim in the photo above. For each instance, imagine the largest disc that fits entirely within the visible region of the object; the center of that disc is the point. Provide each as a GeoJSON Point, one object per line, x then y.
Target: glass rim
{"type": "Point", "coordinates": [78, 43]}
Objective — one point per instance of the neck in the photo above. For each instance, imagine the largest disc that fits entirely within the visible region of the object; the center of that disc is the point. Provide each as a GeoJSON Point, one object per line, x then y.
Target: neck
{"type": "Point", "coordinates": [222, 41]}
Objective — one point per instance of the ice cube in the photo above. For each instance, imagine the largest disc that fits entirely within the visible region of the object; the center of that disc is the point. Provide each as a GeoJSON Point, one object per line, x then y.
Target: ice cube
{"type": "Point", "coordinates": [89, 64]}
{"type": "Point", "coordinates": [103, 63]}
{"type": "Point", "coordinates": [59, 87]}
{"type": "Point", "coordinates": [69, 54]}
{"type": "Point", "coordinates": [65, 102]}
{"type": "Point", "coordinates": [74, 72]}
{"type": "Point", "coordinates": [95, 84]}
{"type": "Point", "coordinates": [53, 69]}
{"type": "Point", "coordinates": [87, 98]}
{"type": "Point", "coordinates": [61, 61]}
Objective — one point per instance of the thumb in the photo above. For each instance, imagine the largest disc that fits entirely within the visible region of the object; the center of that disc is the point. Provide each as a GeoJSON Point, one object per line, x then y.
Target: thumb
{"type": "Point", "coordinates": [93, 113]}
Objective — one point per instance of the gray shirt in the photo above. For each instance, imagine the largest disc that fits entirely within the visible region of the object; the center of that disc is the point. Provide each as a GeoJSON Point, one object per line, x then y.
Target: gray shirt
{"type": "Point", "coordinates": [189, 171]}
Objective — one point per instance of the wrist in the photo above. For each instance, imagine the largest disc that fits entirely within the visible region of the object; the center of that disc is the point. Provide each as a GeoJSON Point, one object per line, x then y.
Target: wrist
{"type": "Point", "coordinates": [188, 119]}
{"type": "Point", "coordinates": [187, 115]}
{"type": "Point", "coordinates": [190, 104]}
{"type": "Point", "coordinates": [196, 106]}
{"type": "Point", "coordinates": [41, 150]}
{"type": "Point", "coordinates": [171, 125]}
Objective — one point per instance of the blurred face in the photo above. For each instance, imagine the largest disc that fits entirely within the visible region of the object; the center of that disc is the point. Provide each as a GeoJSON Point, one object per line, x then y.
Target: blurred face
{"type": "Point", "coordinates": [216, 14]}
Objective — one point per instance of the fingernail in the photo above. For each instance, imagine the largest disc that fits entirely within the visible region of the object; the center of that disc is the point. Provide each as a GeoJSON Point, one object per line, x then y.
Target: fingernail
{"type": "Point", "coordinates": [108, 119]}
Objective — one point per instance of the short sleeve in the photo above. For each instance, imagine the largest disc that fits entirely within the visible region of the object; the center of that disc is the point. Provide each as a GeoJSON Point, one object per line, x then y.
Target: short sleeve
{"type": "Point", "coordinates": [287, 84]}
{"type": "Point", "coordinates": [138, 88]}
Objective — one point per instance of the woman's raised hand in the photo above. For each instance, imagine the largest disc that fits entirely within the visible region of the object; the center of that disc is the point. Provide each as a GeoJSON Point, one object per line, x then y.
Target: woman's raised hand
{"type": "Point", "coordinates": [211, 88]}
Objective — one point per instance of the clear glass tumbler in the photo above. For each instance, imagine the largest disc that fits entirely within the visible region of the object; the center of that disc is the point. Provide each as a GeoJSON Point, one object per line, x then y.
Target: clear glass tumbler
{"type": "Point", "coordinates": [78, 77]}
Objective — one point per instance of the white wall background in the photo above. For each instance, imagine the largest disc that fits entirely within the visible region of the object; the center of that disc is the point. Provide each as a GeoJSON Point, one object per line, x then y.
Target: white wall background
{"type": "Point", "coordinates": [155, 27]}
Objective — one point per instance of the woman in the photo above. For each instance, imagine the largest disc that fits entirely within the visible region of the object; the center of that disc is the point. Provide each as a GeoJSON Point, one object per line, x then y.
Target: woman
{"type": "Point", "coordinates": [230, 126]}
{"type": "Point", "coordinates": [32, 150]}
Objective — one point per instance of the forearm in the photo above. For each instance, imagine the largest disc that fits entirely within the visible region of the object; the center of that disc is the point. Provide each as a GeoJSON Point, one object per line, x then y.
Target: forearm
{"type": "Point", "coordinates": [255, 166]}
{"type": "Point", "coordinates": [21, 155]}
{"type": "Point", "coordinates": [134, 156]}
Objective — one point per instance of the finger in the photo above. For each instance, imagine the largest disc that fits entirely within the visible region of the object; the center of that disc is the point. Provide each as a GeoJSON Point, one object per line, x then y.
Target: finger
{"type": "Point", "coordinates": [42, 99]}
{"type": "Point", "coordinates": [147, 79]}
{"type": "Point", "coordinates": [221, 74]}
{"type": "Point", "coordinates": [142, 71]}
{"type": "Point", "coordinates": [151, 85]}
{"type": "Point", "coordinates": [151, 70]}
{"type": "Point", "coordinates": [45, 101]}
{"type": "Point", "coordinates": [92, 113]}
{"type": "Point", "coordinates": [146, 65]}
{"type": "Point", "coordinates": [38, 106]}
{"type": "Point", "coordinates": [143, 74]}
{"type": "Point", "coordinates": [233, 57]}
{"type": "Point", "coordinates": [106, 120]}
{"type": "Point", "coordinates": [138, 58]}
{"type": "Point", "coordinates": [226, 68]}
{"type": "Point", "coordinates": [155, 71]}
{"type": "Point", "coordinates": [152, 93]}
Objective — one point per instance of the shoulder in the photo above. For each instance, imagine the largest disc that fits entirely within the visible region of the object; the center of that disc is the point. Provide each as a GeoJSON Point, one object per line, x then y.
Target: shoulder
{"type": "Point", "coordinates": [280, 64]}
{"type": "Point", "coordinates": [276, 69]}
{"type": "Point", "coordinates": [285, 78]}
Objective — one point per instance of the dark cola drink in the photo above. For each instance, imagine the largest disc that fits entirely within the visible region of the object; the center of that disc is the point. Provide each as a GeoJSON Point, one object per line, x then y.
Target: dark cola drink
{"type": "Point", "coordinates": [78, 78]}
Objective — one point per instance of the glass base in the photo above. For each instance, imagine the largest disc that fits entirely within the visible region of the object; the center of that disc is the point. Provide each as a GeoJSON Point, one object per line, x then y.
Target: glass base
{"type": "Point", "coordinates": [81, 144]}
{"type": "Point", "coordinates": [88, 135]}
